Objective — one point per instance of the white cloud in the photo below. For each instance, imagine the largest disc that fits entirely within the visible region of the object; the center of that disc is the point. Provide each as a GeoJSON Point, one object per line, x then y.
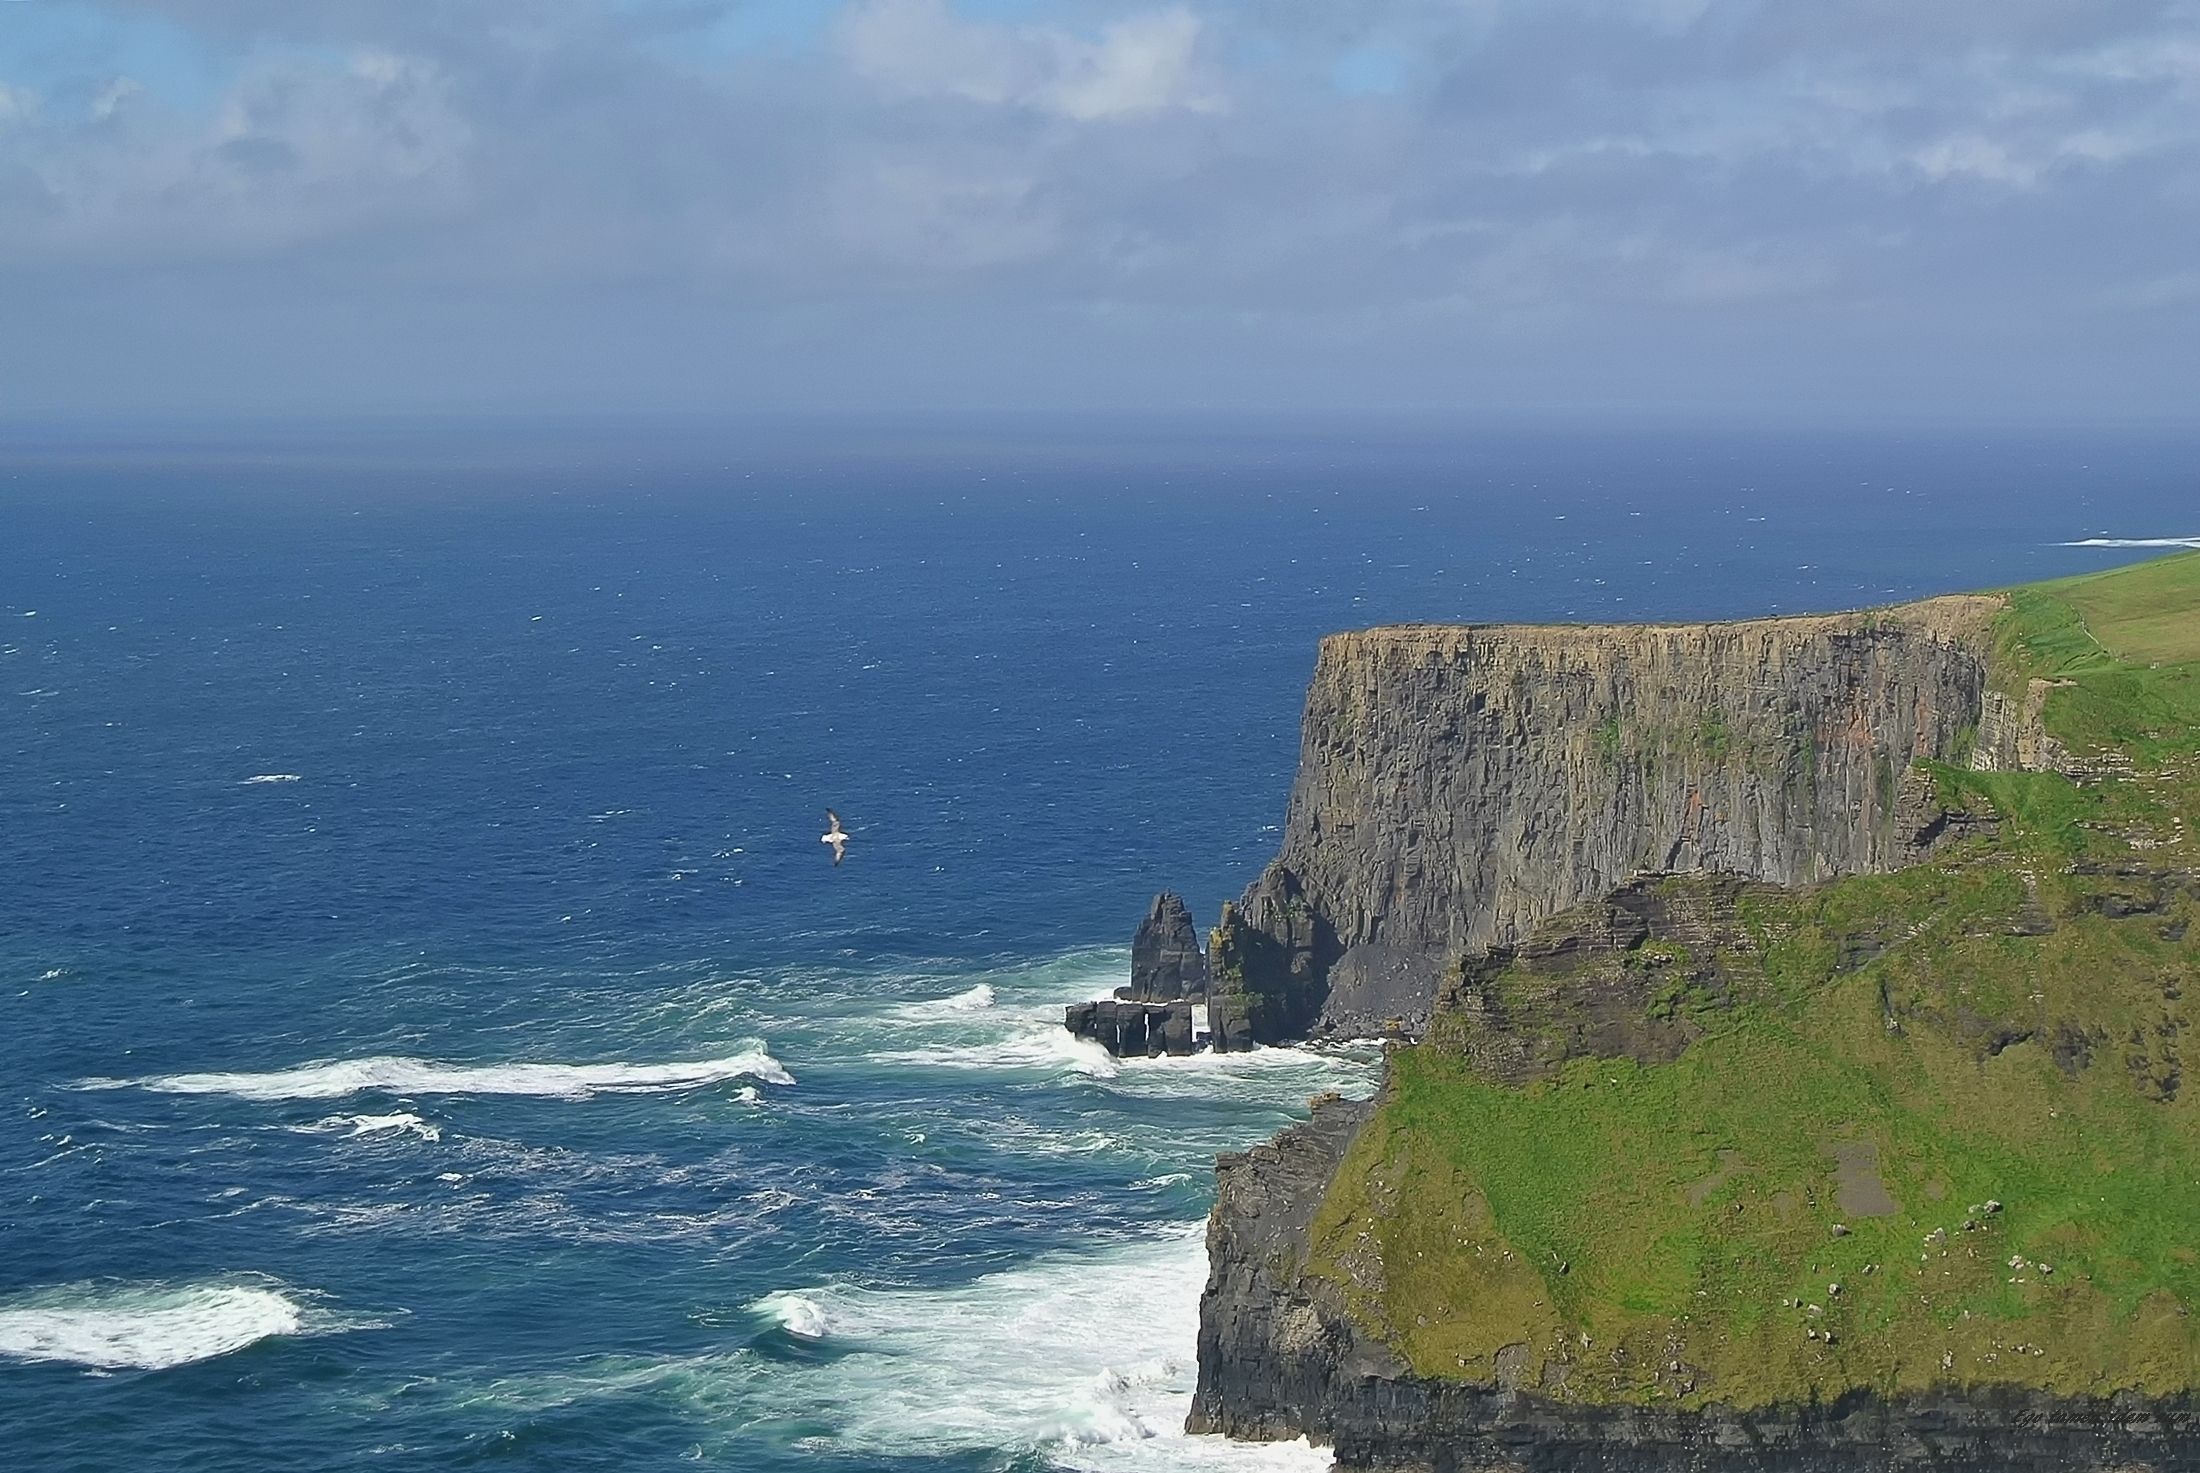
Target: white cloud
{"type": "Point", "coordinates": [297, 149]}
{"type": "Point", "coordinates": [109, 99]}
{"type": "Point", "coordinates": [1142, 63]}
{"type": "Point", "coordinates": [17, 104]}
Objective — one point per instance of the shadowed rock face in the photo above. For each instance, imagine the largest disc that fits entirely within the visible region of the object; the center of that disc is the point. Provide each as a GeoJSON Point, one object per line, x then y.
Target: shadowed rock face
{"type": "Point", "coordinates": [1168, 960]}
{"type": "Point", "coordinates": [1458, 785]}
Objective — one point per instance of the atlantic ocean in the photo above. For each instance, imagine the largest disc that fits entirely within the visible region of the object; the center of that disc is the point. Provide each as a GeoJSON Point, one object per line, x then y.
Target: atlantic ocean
{"type": "Point", "coordinates": [432, 1035]}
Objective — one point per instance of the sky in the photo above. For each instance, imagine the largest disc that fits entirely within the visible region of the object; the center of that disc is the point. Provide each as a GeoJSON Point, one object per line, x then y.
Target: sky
{"type": "Point", "coordinates": [1798, 211]}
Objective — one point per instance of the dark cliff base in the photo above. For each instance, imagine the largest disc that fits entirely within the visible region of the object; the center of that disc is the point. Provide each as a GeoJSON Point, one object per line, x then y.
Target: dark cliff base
{"type": "Point", "coordinates": [1278, 1359]}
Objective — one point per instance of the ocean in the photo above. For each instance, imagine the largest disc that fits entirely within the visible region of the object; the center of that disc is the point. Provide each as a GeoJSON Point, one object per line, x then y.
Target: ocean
{"type": "Point", "coordinates": [432, 1034]}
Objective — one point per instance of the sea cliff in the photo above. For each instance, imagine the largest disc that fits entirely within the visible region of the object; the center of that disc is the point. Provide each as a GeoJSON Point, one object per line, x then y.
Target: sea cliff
{"type": "Point", "coordinates": [1786, 1029]}
{"type": "Point", "coordinates": [1458, 785]}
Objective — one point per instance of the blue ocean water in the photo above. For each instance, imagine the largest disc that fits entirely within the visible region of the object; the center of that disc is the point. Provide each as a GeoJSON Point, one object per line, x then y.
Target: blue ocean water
{"type": "Point", "coordinates": [432, 1035]}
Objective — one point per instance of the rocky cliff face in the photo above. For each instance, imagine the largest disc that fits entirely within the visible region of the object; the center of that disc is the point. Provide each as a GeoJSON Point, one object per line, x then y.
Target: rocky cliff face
{"type": "Point", "coordinates": [1458, 785]}
{"type": "Point", "coordinates": [1279, 1358]}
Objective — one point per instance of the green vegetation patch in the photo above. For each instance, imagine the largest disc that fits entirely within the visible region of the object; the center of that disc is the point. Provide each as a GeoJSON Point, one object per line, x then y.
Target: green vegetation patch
{"type": "Point", "coordinates": [2148, 614]}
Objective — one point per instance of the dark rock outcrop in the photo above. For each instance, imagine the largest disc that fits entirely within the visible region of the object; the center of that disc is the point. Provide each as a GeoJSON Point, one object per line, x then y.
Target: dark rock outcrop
{"type": "Point", "coordinates": [1134, 1029]}
{"type": "Point", "coordinates": [1278, 1358]}
{"type": "Point", "coordinates": [1168, 960]}
{"type": "Point", "coordinates": [1628, 976]}
{"type": "Point", "coordinates": [1154, 1013]}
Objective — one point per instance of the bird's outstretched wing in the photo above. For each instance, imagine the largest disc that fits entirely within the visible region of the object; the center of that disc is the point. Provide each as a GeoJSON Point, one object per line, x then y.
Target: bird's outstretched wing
{"type": "Point", "coordinates": [832, 820]}
{"type": "Point", "coordinates": [840, 852]}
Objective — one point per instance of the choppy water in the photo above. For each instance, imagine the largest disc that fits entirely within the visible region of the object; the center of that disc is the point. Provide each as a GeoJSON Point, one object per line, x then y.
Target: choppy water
{"type": "Point", "coordinates": [431, 1033]}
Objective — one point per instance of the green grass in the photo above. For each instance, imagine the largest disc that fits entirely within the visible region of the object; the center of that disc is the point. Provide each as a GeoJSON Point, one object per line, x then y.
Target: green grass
{"type": "Point", "coordinates": [1662, 1232]}
{"type": "Point", "coordinates": [2148, 614]}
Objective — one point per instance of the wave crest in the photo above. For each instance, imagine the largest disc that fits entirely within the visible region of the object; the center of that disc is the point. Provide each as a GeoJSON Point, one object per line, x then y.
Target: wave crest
{"type": "Point", "coordinates": [150, 1327]}
{"type": "Point", "coordinates": [404, 1123]}
{"type": "Point", "coordinates": [797, 1314]}
{"type": "Point", "coordinates": [404, 1076]}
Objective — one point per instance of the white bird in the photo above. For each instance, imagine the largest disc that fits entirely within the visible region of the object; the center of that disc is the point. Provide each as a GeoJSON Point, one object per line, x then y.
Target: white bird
{"type": "Point", "coordinates": [835, 836]}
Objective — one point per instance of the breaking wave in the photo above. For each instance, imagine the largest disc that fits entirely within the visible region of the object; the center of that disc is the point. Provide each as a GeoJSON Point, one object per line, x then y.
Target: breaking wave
{"type": "Point", "coordinates": [403, 1123]}
{"type": "Point", "coordinates": [327, 1081]}
{"type": "Point", "coordinates": [152, 1327]}
{"type": "Point", "coordinates": [797, 1314]}
{"type": "Point", "coordinates": [2136, 542]}
{"type": "Point", "coordinates": [971, 1000]}
{"type": "Point", "coordinates": [1047, 1050]}
{"type": "Point", "coordinates": [1053, 1358]}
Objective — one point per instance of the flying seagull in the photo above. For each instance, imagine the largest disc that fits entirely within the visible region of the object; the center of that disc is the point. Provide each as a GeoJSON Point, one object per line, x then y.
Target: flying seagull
{"type": "Point", "coordinates": [835, 836]}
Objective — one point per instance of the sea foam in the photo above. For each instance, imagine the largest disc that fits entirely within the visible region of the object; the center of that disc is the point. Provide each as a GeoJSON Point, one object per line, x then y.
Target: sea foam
{"type": "Point", "coordinates": [1052, 1358]}
{"type": "Point", "coordinates": [403, 1076]}
{"type": "Point", "coordinates": [402, 1123]}
{"type": "Point", "coordinates": [2136, 542]}
{"type": "Point", "coordinates": [151, 1327]}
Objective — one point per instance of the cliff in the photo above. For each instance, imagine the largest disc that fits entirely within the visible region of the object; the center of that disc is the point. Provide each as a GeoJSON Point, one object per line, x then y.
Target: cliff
{"type": "Point", "coordinates": [1804, 1091]}
{"type": "Point", "coordinates": [1458, 785]}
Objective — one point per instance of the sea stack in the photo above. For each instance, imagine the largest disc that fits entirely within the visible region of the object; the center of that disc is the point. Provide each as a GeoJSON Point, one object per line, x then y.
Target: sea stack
{"type": "Point", "coordinates": [1168, 962]}
{"type": "Point", "coordinates": [1154, 1013]}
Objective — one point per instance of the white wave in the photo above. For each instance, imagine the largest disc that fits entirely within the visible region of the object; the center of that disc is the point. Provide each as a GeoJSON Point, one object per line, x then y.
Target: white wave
{"type": "Point", "coordinates": [274, 777]}
{"type": "Point", "coordinates": [357, 1125]}
{"type": "Point", "coordinates": [971, 1000]}
{"type": "Point", "coordinates": [942, 1010]}
{"type": "Point", "coordinates": [151, 1327]}
{"type": "Point", "coordinates": [797, 1314]}
{"type": "Point", "coordinates": [1280, 1075]}
{"type": "Point", "coordinates": [333, 1080]}
{"type": "Point", "coordinates": [1053, 1358]}
{"type": "Point", "coordinates": [2135, 542]}
{"type": "Point", "coordinates": [1046, 1049]}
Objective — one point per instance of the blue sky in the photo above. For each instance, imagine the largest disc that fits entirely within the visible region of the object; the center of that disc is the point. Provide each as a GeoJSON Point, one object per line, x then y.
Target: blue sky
{"type": "Point", "coordinates": [1850, 210]}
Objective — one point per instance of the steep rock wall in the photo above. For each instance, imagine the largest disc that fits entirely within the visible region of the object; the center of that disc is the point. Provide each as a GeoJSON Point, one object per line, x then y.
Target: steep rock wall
{"type": "Point", "coordinates": [1457, 785]}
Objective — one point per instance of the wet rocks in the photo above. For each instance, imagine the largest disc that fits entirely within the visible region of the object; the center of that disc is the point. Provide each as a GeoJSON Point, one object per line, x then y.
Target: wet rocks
{"type": "Point", "coordinates": [1134, 1029]}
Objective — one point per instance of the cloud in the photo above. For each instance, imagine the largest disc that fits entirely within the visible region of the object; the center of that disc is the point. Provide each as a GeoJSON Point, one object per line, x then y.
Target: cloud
{"type": "Point", "coordinates": [17, 104]}
{"type": "Point", "coordinates": [1145, 62]}
{"type": "Point", "coordinates": [1086, 199]}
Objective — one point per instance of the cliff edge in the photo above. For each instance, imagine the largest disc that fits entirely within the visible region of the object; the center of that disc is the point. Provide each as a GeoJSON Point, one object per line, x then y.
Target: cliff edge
{"type": "Point", "coordinates": [1797, 1081]}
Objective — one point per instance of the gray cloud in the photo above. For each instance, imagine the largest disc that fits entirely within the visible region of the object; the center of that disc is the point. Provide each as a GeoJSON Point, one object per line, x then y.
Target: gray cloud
{"type": "Point", "coordinates": [1857, 206]}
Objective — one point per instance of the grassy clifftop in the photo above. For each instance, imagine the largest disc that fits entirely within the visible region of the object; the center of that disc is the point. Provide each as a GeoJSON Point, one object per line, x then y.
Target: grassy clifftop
{"type": "Point", "coordinates": [1749, 1145]}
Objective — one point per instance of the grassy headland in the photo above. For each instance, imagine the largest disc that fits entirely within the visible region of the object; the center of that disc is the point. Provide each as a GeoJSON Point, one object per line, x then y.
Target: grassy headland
{"type": "Point", "coordinates": [1929, 1128]}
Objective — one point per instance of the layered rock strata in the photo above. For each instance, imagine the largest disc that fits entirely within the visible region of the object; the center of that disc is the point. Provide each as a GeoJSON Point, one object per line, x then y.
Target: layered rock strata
{"type": "Point", "coordinates": [1457, 785]}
